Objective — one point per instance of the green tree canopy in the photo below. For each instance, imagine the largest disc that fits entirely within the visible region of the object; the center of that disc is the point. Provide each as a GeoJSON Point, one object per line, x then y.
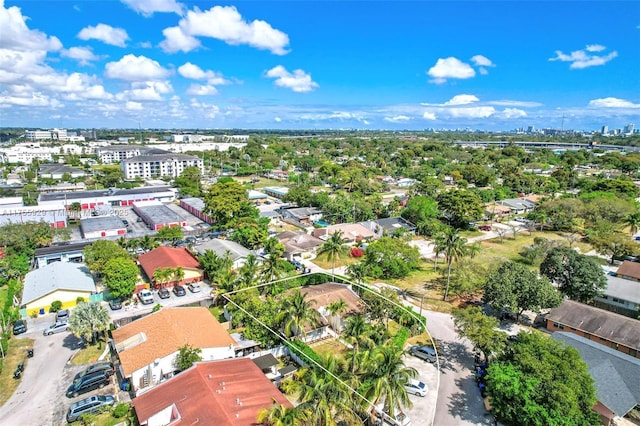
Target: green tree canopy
{"type": "Point", "coordinates": [540, 382]}
{"type": "Point", "coordinates": [578, 276]}
{"type": "Point", "coordinates": [480, 329]}
{"type": "Point", "coordinates": [460, 207]}
{"type": "Point", "coordinates": [88, 319]}
{"type": "Point", "coordinates": [187, 356]}
{"type": "Point", "coordinates": [189, 182]}
{"type": "Point", "coordinates": [513, 287]}
{"type": "Point", "coordinates": [120, 275]}
{"type": "Point", "coordinates": [226, 201]}
{"type": "Point", "coordinates": [420, 209]}
{"type": "Point", "coordinates": [390, 257]}
{"type": "Point", "coordinates": [100, 252]}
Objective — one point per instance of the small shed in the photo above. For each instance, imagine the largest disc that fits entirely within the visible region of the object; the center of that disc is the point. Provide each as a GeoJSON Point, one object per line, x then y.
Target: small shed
{"type": "Point", "coordinates": [102, 226]}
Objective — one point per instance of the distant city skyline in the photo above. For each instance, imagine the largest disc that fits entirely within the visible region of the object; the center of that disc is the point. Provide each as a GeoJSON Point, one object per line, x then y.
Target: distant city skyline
{"type": "Point", "coordinates": [406, 65]}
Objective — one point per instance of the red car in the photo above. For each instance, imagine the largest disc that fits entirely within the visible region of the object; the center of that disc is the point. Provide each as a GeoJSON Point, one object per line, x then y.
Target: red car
{"type": "Point", "coordinates": [484, 228]}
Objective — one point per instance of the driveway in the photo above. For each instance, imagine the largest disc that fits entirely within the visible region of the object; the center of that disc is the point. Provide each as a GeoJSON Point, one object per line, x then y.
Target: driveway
{"type": "Point", "coordinates": [423, 406]}
{"type": "Point", "coordinates": [40, 400]}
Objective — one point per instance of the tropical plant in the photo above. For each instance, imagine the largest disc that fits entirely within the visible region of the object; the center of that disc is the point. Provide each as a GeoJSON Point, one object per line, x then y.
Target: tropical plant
{"type": "Point", "coordinates": [334, 249]}
{"type": "Point", "coordinates": [187, 356]}
{"type": "Point", "coordinates": [280, 415]}
{"type": "Point", "coordinates": [296, 313]}
{"type": "Point", "coordinates": [88, 320]}
{"type": "Point", "coordinates": [454, 247]}
{"type": "Point", "coordinates": [335, 309]}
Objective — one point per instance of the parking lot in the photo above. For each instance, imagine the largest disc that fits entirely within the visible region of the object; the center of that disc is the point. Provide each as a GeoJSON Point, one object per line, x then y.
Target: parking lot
{"type": "Point", "coordinates": [423, 406]}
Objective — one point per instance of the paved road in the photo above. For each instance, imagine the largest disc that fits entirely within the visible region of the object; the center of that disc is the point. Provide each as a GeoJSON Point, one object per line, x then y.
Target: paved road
{"type": "Point", "coordinates": [40, 400]}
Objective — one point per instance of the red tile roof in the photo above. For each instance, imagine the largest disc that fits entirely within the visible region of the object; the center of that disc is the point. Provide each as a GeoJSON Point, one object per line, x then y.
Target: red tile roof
{"type": "Point", "coordinates": [221, 393]}
{"type": "Point", "coordinates": [629, 269]}
{"type": "Point", "coordinates": [167, 257]}
{"type": "Point", "coordinates": [165, 332]}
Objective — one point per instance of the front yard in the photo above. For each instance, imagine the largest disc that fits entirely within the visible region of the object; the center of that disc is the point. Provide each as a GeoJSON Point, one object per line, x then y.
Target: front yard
{"type": "Point", "coordinates": [16, 354]}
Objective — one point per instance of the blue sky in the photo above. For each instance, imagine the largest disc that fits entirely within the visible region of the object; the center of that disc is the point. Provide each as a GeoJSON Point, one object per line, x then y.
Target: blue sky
{"type": "Point", "coordinates": [494, 65]}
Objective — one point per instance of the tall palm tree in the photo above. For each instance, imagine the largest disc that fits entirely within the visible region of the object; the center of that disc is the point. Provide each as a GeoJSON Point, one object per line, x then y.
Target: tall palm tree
{"type": "Point", "coordinates": [177, 274]}
{"type": "Point", "coordinates": [335, 309]}
{"type": "Point", "coordinates": [88, 320]}
{"type": "Point", "coordinates": [633, 222]}
{"type": "Point", "coordinates": [454, 247]}
{"type": "Point", "coordinates": [162, 276]}
{"type": "Point", "coordinates": [334, 249]}
{"type": "Point", "coordinates": [279, 415]}
{"type": "Point", "coordinates": [271, 269]}
{"type": "Point", "coordinates": [357, 272]}
{"type": "Point", "coordinates": [385, 379]}
{"type": "Point", "coordinates": [296, 313]}
{"type": "Point", "coordinates": [248, 271]}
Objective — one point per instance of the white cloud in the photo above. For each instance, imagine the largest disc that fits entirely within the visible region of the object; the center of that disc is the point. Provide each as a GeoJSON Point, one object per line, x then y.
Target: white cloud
{"type": "Point", "coordinates": [429, 115]}
{"type": "Point", "coordinates": [462, 100]}
{"type": "Point", "coordinates": [277, 119]}
{"type": "Point", "coordinates": [472, 112]}
{"type": "Point", "coordinates": [482, 61]}
{"type": "Point", "coordinates": [397, 119]}
{"type": "Point", "coordinates": [450, 68]}
{"type": "Point", "coordinates": [106, 34]}
{"type": "Point", "coordinates": [223, 23]}
{"type": "Point", "coordinates": [146, 91]}
{"type": "Point", "coordinates": [612, 103]}
{"type": "Point", "coordinates": [149, 7]}
{"type": "Point", "coordinates": [133, 106]}
{"type": "Point", "coordinates": [524, 104]}
{"type": "Point", "coordinates": [17, 36]}
{"type": "Point", "coordinates": [595, 48]}
{"type": "Point", "coordinates": [581, 59]}
{"type": "Point", "coordinates": [135, 68]}
{"type": "Point", "coordinates": [513, 113]}
{"type": "Point", "coordinates": [298, 80]}
{"type": "Point", "coordinates": [175, 41]}
{"type": "Point", "coordinates": [202, 90]}
{"type": "Point", "coordinates": [84, 55]}
{"type": "Point", "coordinates": [194, 72]}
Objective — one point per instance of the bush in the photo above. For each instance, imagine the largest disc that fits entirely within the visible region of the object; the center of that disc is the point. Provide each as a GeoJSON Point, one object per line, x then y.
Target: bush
{"type": "Point", "coordinates": [56, 305]}
{"type": "Point", "coordinates": [120, 410]}
{"type": "Point", "coordinates": [79, 300]}
{"type": "Point", "coordinates": [400, 338]}
{"type": "Point", "coordinates": [307, 352]}
{"type": "Point", "coordinates": [156, 308]}
{"type": "Point", "coordinates": [356, 252]}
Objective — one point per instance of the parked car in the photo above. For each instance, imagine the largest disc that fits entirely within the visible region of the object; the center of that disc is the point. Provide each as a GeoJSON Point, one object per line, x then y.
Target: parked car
{"type": "Point", "coordinates": [19, 327]}
{"type": "Point", "coordinates": [105, 366]}
{"type": "Point", "coordinates": [146, 297]}
{"type": "Point", "coordinates": [164, 293]}
{"type": "Point", "coordinates": [125, 221]}
{"type": "Point", "coordinates": [194, 288]}
{"type": "Point", "coordinates": [89, 405]}
{"type": "Point", "coordinates": [191, 240]}
{"type": "Point", "coordinates": [179, 290]}
{"type": "Point", "coordinates": [416, 387]}
{"type": "Point", "coordinates": [92, 381]}
{"type": "Point", "coordinates": [115, 304]}
{"type": "Point", "coordinates": [58, 327]}
{"type": "Point", "coordinates": [400, 418]}
{"type": "Point", "coordinates": [426, 353]}
{"type": "Point", "coordinates": [484, 227]}
{"type": "Point", "coordinates": [62, 315]}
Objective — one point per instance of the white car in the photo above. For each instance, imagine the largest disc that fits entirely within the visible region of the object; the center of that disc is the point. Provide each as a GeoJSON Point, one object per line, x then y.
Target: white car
{"type": "Point", "coordinates": [416, 387]}
{"type": "Point", "coordinates": [58, 327]}
{"type": "Point", "coordinates": [194, 288]}
{"type": "Point", "coordinates": [400, 419]}
{"type": "Point", "coordinates": [146, 297]}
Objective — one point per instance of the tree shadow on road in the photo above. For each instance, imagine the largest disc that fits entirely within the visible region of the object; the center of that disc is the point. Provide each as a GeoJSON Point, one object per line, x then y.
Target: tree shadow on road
{"type": "Point", "coordinates": [453, 356]}
{"type": "Point", "coordinates": [72, 342]}
{"type": "Point", "coordinates": [468, 406]}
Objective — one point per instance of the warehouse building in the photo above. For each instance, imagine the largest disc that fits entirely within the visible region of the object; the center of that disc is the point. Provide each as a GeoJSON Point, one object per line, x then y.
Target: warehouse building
{"type": "Point", "coordinates": [156, 215]}
{"type": "Point", "coordinates": [55, 215]}
{"type": "Point", "coordinates": [195, 206]}
{"type": "Point", "coordinates": [103, 226]}
{"type": "Point", "coordinates": [108, 197]}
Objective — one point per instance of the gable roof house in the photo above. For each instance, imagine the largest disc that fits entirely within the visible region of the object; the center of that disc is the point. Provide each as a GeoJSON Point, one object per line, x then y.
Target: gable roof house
{"type": "Point", "coordinates": [615, 376]}
{"type": "Point", "coordinates": [237, 251]}
{"type": "Point", "coordinates": [147, 347]}
{"type": "Point", "coordinates": [389, 225]}
{"type": "Point", "coordinates": [170, 257]}
{"type": "Point", "coordinates": [63, 281]}
{"type": "Point", "coordinates": [299, 245]}
{"type": "Point", "coordinates": [621, 296]}
{"type": "Point", "coordinates": [304, 215]}
{"type": "Point", "coordinates": [629, 270]}
{"type": "Point", "coordinates": [221, 393]}
{"type": "Point", "coordinates": [518, 205]}
{"type": "Point", "coordinates": [607, 328]}
{"type": "Point", "coordinates": [351, 232]}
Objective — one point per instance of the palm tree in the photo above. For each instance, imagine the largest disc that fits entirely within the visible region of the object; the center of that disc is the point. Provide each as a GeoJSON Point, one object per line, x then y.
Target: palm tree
{"type": "Point", "coordinates": [357, 272]}
{"type": "Point", "coordinates": [271, 269]}
{"type": "Point", "coordinates": [248, 271]}
{"type": "Point", "coordinates": [334, 249]}
{"type": "Point", "coordinates": [296, 313]}
{"type": "Point", "coordinates": [454, 247]}
{"type": "Point", "coordinates": [88, 319]}
{"type": "Point", "coordinates": [633, 222]}
{"type": "Point", "coordinates": [162, 276]}
{"type": "Point", "coordinates": [386, 377]}
{"type": "Point", "coordinates": [279, 415]}
{"type": "Point", "coordinates": [177, 274]}
{"type": "Point", "coordinates": [335, 309]}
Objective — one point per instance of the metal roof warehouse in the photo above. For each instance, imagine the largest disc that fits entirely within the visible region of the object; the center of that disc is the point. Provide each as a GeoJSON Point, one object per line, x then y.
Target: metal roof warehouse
{"type": "Point", "coordinates": [156, 215]}
{"type": "Point", "coordinates": [110, 196]}
{"type": "Point", "coordinates": [103, 226]}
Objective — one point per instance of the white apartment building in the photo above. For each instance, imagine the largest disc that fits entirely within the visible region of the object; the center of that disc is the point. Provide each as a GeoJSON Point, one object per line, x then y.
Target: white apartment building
{"type": "Point", "coordinates": [158, 165]}
{"type": "Point", "coordinates": [117, 153]}
{"type": "Point", "coordinates": [26, 153]}
{"type": "Point", "coordinates": [197, 147]}
{"type": "Point", "coordinates": [34, 135]}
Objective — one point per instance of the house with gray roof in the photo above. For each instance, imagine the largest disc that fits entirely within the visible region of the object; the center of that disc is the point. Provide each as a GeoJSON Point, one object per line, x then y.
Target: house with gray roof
{"type": "Point", "coordinates": [621, 296]}
{"type": "Point", "coordinates": [518, 205]}
{"type": "Point", "coordinates": [389, 225]}
{"type": "Point", "coordinates": [221, 247]}
{"type": "Point", "coordinates": [299, 245]}
{"type": "Point", "coordinates": [610, 329]}
{"type": "Point", "coordinates": [616, 376]}
{"type": "Point", "coordinates": [63, 281]}
{"type": "Point", "coordinates": [304, 215]}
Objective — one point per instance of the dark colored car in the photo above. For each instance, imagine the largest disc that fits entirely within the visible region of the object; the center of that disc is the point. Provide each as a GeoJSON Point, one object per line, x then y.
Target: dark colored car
{"type": "Point", "coordinates": [115, 304]}
{"type": "Point", "coordinates": [107, 367]}
{"type": "Point", "coordinates": [426, 353]}
{"type": "Point", "coordinates": [89, 405]}
{"type": "Point", "coordinates": [179, 290]}
{"type": "Point", "coordinates": [125, 221]}
{"type": "Point", "coordinates": [88, 383]}
{"type": "Point", "coordinates": [163, 293]}
{"type": "Point", "coordinates": [19, 327]}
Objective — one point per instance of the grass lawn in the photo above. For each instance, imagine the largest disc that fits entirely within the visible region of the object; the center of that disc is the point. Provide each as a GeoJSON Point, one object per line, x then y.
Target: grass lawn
{"type": "Point", "coordinates": [107, 419]}
{"type": "Point", "coordinates": [89, 354]}
{"type": "Point", "coordinates": [322, 261]}
{"type": "Point", "coordinates": [332, 346]}
{"type": "Point", "coordinates": [3, 295]}
{"type": "Point", "coordinates": [16, 354]}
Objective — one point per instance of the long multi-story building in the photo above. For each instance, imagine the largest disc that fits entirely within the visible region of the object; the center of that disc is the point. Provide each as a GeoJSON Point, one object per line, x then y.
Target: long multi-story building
{"type": "Point", "coordinates": [108, 197]}
{"type": "Point", "coordinates": [158, 165]}
{"type": "Point", "coordinates": [117, 153]}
